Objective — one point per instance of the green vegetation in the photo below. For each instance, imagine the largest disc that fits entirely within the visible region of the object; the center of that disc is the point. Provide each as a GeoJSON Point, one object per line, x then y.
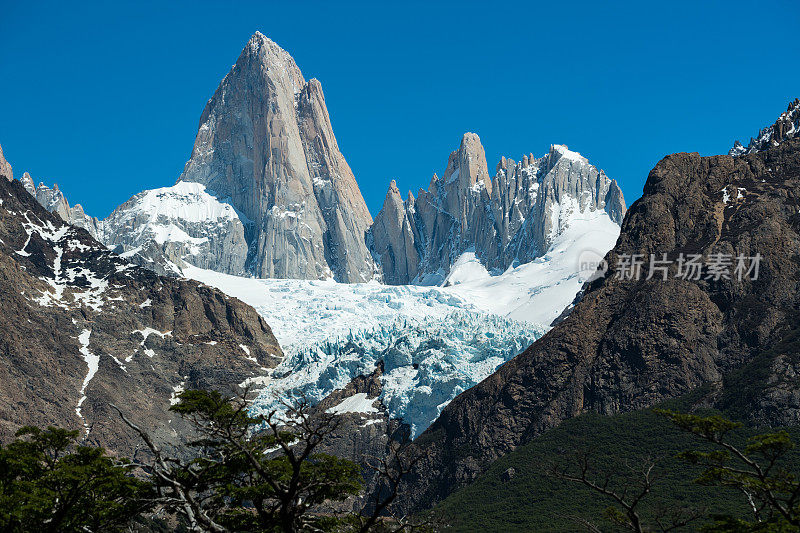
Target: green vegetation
{"type": "Point", "coordinates": [240, 472]}
{"type": "Point", "coordinates": [642, 471]}
{"type": "Point", "coordinates": [241, 479]}
{"type": "Point", "coordinates": [758, 471]}
{"type": "Point", "coordinates": [617, 449]}
{"type": "Point", "coordinates": [50, 484]}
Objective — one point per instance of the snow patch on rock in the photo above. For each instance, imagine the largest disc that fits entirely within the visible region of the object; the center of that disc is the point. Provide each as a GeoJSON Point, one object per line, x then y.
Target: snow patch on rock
{"type": "Point", "coordinates": [357, 403]}
{"type": "Point", "coordinates": [93, 363]}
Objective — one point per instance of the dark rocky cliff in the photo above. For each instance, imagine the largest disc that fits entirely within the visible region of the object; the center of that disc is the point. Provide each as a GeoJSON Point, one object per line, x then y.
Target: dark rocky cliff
{"type": "Point", "coordinates": [629, 344]}
{"type": "Point", "coordinates": [82, 329]}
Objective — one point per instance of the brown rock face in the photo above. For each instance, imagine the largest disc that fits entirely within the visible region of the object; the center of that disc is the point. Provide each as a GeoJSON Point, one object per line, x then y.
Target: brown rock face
{"type": "Point", "coordinates": [362, 437]}
{"type": "Point", "coordinates": [83, 329]}
{"type": "Point", "coordinates": [632, 343]}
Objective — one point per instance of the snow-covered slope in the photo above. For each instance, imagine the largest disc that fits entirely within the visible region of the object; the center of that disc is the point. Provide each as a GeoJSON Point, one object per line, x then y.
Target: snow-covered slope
{"type": "Point", "coordinates": [179, 225]}
{"type": "Point", "coordinates": [539, 291]}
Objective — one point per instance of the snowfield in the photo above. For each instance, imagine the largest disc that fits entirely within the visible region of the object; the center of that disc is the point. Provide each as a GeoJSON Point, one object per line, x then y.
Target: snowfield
{"type": "Point", "coordinates": [537, 292]}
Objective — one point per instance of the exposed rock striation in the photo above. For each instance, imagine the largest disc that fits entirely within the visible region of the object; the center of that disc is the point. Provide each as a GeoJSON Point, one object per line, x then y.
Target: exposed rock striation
{"type": "Point", "coordinates": [83, 329]}
{"type": "Point", "coordinates": [631, 343]}
{"type": "Point", "coordinates": [266, 145]}
{"type": "Point", "coordinates": [507, 221]}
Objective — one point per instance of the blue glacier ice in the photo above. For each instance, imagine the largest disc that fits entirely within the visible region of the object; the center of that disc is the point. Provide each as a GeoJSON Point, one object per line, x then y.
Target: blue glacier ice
{"type": "Point", "coordinates": [427, 362]}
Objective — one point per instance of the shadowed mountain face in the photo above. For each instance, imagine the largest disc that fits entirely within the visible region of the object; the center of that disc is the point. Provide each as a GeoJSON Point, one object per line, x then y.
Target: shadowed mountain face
{"type": "Point", "coordinates": [632, 343]}
{"type": "Point", "coordinates": [83, 329]}
{"type": "Point", "coordinates": [266, 145]}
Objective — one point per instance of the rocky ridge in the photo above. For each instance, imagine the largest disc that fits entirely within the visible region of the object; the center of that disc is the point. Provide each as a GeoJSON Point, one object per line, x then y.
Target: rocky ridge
{"type": "Point", "coordinates": [84, 329]}
{"type": "Point", "coordinates": [786, 127]}
{"type": "Point", "coordinates": [54, 201]}
{"type": "Point", "coordinates": [506, 221]}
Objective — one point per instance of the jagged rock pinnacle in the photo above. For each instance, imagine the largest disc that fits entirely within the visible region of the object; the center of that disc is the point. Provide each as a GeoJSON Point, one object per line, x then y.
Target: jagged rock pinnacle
{"type": "Point", "coordinates": [5, 167]}
{"type": "Point", "coordinates": [266, 142]}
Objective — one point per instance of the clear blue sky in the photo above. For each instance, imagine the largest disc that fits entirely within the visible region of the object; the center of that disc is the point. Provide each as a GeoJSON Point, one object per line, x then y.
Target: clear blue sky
{"type": "Point", "coordinates": [104, 98]}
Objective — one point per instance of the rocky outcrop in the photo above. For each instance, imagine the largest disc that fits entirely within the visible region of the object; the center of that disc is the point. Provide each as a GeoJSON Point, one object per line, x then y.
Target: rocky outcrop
{"type": "Point", "coordinates": [631, 343]}
{"type": "Point", "coordinates": [54, 201]}
{"type": "Point", "coordinates": [393, 239]}
{"type": "Point", "coordinates": [83, 329]}
{"type": "Point", "coordinates": [786, 127]}
{"type": "Point", "coordinates": [507, 221]}
{"type": "Point", "coordinates": [5, 167]}
{"type": "Point", "coordinates": [361, 436]}
{"type": "Point", "coordinates": [266, 144]}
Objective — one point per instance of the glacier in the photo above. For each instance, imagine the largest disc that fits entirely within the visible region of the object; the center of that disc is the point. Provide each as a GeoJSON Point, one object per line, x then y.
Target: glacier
{"type": "Point", "coordinates": [426, 363]}
{"type": "Point", "coordinates": [433, 343]}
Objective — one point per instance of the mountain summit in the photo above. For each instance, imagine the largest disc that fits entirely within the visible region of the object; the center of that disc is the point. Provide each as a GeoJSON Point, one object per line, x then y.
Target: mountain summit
{"type": "Point", "coordinates": [267, 193]}
{"type": "Point", "coordinates": [265, 145]}
{"type": "Point", "coordinates": [504, 222]}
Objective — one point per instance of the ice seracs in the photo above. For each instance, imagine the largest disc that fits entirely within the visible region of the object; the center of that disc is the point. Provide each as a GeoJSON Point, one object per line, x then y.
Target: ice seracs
{"type": "Point", "coordinates": [434, 342]}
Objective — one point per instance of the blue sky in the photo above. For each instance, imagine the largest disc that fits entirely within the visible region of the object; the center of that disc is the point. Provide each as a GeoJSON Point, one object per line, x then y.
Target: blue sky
{"type": "Point", "coordinates": [104, 98]}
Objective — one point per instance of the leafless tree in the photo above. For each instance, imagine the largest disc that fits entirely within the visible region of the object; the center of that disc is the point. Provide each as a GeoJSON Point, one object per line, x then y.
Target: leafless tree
{"type": "Point", "coordinates": [627, 492]}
